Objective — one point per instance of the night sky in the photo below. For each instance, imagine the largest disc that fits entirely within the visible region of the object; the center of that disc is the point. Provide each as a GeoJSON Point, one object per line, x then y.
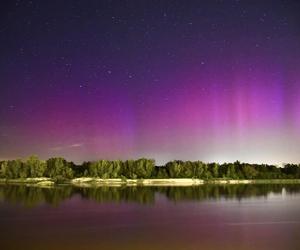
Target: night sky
{"type": "Point", "coordinates": [215, 80]}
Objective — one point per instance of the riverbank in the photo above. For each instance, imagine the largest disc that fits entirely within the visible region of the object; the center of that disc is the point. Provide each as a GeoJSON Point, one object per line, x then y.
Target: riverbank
{"type": "Point", "coordinates": [41, 181]}
{"type": "Point", "coordinates": [91, 182]}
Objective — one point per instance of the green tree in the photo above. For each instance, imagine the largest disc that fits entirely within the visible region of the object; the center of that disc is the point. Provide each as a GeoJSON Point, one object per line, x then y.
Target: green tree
{"type": "Point", "coordinates": [249, 172]}
{"type": "Point", "coordinates": [33, 167]}
{"type": "Point", "coordinates": [174, 169]}
{"type": "Point", "coordinates": [58, 167]}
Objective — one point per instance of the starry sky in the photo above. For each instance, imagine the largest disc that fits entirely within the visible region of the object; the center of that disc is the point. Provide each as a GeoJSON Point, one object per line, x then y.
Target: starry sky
{"type": "Point", "coordinates": [215, 80]}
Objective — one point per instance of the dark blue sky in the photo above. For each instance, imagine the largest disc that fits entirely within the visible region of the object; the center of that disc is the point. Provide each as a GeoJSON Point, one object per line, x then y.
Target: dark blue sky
{"type": "Point", "coordinates": [209, 80]}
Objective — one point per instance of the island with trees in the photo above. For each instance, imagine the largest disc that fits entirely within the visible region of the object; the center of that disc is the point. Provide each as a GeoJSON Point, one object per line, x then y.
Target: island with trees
{"type": "Point", "coordinates": [142, 171]}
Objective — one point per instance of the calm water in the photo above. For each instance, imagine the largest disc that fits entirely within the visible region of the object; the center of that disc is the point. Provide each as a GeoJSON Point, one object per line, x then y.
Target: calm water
{"type": "Point", "coordinates": [206, 217]}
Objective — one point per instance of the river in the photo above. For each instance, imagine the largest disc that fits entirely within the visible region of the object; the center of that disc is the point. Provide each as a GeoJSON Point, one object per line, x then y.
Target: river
{"type": "Point", "coordinates": [201, 217]}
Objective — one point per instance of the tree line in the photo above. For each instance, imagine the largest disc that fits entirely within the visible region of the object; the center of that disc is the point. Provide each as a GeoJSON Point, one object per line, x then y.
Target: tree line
{"type": "Point", "coordinates": [59, 168]}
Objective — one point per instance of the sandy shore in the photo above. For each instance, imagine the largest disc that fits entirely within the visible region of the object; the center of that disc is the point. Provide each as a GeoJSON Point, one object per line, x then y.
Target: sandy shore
{"type": "Point", "coordinates": [142, 182]}
{"type": "Point", "coordinates": [90, 182]}
{"type": "Point", "coordinates": [42, 181]}
{"type": "Point", "coordinates": [173, 182]}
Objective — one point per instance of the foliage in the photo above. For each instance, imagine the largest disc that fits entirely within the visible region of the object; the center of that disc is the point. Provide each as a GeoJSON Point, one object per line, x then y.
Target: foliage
{"type": "Point", "coordinates": [60, 169]}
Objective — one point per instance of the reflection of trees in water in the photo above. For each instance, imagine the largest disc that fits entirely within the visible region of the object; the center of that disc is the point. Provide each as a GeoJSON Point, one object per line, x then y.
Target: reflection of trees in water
{"type": "Point", "coordinates": [120, 194]}
{"type": "Point", "coordinates": [33, 196]}
{"type": "Point", "coordinates": [213, 192]}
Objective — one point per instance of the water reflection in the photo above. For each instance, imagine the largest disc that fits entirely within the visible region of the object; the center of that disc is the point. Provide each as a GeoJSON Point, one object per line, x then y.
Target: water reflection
{"type": "Point", "coordinates": [33, 196]}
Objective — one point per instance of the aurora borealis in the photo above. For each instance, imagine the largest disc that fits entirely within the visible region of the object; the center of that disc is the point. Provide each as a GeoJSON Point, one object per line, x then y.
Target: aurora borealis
{"type": "Point", "coordinates": [208, 80]}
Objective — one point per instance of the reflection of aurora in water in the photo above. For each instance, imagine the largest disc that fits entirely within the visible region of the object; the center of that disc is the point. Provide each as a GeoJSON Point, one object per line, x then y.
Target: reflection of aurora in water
{"type": "Point", "coordinates": [33, 196]}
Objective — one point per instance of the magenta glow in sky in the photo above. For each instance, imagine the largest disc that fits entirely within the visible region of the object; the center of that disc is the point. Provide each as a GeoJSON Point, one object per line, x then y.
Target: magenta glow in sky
{"type": "Point", "coordinates": [208, 80]}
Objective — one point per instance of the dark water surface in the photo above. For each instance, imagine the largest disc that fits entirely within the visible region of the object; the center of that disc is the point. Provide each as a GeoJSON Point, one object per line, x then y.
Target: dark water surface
{"type": "Point", "coordinates": [204, 217]}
